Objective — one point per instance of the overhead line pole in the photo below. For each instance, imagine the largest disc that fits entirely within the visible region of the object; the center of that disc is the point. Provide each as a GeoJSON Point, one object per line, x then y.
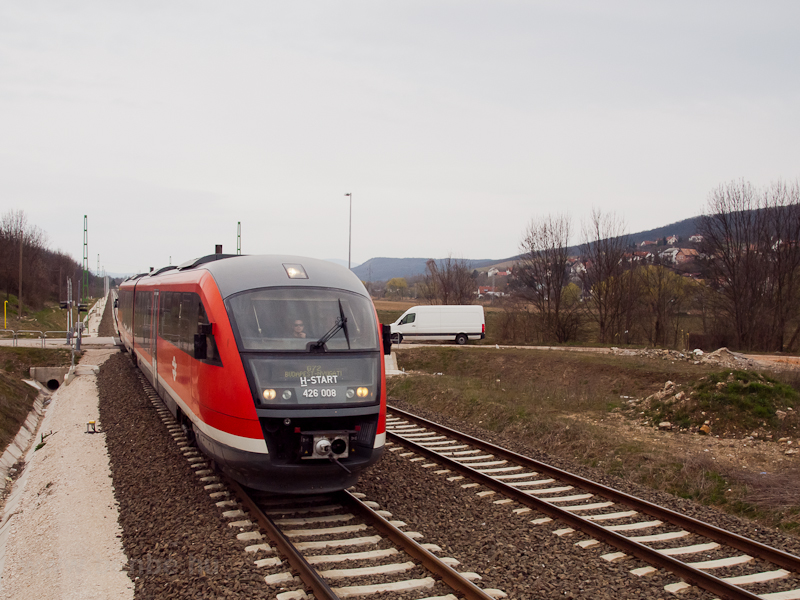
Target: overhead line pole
{"type": "Point", "coordinates": [350, 231]}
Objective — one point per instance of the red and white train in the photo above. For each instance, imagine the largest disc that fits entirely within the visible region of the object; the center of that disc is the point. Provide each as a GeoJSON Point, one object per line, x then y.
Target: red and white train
{"type": "Point", "coordinates": [273, 364]}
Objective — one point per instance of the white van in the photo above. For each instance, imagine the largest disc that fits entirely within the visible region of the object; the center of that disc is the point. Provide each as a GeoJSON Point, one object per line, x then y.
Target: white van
{"type": "Point", "coordinates": [449, 322]}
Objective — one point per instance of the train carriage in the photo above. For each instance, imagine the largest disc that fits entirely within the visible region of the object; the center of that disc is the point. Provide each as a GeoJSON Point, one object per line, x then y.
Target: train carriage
{"type": "Point", "coordinates": [272, 364]}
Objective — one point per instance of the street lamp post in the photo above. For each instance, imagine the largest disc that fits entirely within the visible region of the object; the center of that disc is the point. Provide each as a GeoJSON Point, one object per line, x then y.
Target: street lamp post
{"type": "Point", "coordinates": [350, 231]}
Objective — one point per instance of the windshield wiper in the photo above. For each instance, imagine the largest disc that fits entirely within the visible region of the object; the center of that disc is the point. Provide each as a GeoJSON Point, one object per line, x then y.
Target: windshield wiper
{"type": "Point", "coordinates": [341, 323]}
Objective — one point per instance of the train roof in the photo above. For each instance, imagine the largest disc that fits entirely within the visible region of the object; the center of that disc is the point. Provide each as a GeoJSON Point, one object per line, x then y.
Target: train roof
{"type": "Point", "coordinates": [238, 273]}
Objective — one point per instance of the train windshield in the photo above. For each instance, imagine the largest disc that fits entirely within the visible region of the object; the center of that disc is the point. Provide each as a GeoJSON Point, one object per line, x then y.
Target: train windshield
{"type": "Point", "coordinates": [304, 319]}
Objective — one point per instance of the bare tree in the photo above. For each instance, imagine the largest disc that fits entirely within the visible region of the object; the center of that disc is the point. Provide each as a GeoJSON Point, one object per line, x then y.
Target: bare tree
{"type": "Point", "coordinates": [448, 281]}
{"type": "Point", "coordinates": [751, 242]}
{"type": "Point", "coordinates": [544, 274]}
{"type": "Point", "coordinates": [662, 294]}
{"type": "Point", "coordinates": [604, 248]}
{"type": "Point", "coordinates": [782, 214]}
{"type": "Point", "coordinates": [21, 245]}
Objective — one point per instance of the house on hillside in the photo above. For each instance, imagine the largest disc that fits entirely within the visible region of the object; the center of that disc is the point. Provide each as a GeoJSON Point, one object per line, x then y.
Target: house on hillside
{"type": "Point", "coordinates": [672, 240]}
{"type": "Point", "coordinates": [686, 255]}
{"type": "Point", "coordinates": [669, 255]}
{"type": "Point", "coordinates": [489, 290]}
{"type": "Point", "coordinates": [647, 244]}
{"type": "Point", "coordinates": [696, 239]}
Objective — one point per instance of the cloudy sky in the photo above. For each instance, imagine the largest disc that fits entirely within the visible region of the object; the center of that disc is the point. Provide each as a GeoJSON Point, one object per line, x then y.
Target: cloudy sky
{"type": "Point", "coordinates": [452, 123]}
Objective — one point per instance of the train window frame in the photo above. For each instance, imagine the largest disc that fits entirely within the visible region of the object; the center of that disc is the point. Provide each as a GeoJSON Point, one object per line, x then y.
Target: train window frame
{"type": "Point", "coordinates": [303, 347]}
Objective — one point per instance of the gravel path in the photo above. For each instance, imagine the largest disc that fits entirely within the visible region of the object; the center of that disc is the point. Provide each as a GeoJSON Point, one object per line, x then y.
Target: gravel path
{"type": "Point", "coordinates": [61, 516]}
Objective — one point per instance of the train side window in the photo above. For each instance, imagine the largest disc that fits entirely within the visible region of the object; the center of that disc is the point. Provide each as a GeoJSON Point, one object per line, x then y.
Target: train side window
{"type": "Point", "coordinates": [205, 346]}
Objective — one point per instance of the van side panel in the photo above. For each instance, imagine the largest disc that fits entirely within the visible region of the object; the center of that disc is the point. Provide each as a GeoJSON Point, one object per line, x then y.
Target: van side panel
{"type": "Point", "coordinates": [442, 323]}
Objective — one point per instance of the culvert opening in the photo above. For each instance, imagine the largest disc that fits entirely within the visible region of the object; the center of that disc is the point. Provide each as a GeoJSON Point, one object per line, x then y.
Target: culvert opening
{"type": "Point", "coordinates": [53, 384]}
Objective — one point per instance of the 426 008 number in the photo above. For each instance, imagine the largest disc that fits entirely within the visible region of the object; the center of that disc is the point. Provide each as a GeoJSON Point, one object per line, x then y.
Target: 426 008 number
{"type": "Point", "coordinates": [319, 393]}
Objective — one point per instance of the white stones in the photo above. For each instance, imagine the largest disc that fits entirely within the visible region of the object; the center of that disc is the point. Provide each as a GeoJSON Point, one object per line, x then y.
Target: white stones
{"type": "Point", "coordinates": [308, 520]}
{"type": "Point", "coordinates": [301, 533]}
{"type": "Point", "coordinates": [362, 541]}
{"type": "Point", "coordinates": [293, 595]}
{"type": "Point", "coordinates": [661, 537]}
{"type": "Point", "coordinates": [241, 524]}
{"type": "Point", "coordinates": [689, 549]}
{"type": "Point", "coordinates": [425, 583]}
{"type": "Point", "coordinates": [279, 578]}
{"type": "Point", "coordinates": [614, 556]}
{"type": "Point", "coordinates": [389, 569]}
{"type": "Point", "coordinates": [634, 526]}
{"type": "Point", "coordinates": [367, 555]}
{"type": "Point", "coordinates": [564, 531]}
{"type": "Point", "coordinates": [273, 561]}
{"type": "Point", "coordinates": [233, 514]}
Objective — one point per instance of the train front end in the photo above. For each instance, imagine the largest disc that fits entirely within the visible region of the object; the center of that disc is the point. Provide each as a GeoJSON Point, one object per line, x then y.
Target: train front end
{"type": "Point", "coordinates": [311, 350]}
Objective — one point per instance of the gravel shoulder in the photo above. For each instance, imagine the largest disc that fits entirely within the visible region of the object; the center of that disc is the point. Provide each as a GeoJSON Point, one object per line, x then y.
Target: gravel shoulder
{"type": "Point", "coordinates": [61, 520]}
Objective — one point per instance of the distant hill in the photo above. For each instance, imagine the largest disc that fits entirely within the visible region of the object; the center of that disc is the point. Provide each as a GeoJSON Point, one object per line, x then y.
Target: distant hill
{"type": "Point", "coordinates": [683, 229]}
{"type": "Point", "coordinates": [383, 269]}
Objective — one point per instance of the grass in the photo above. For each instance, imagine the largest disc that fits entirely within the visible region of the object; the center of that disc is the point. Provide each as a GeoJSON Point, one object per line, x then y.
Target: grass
{"type": "Point", "coordinates": [49, 318]}
{"type": "Point", "coordinates": [564, 402]}
{"type": "Point", "coordinates": [734, 403]}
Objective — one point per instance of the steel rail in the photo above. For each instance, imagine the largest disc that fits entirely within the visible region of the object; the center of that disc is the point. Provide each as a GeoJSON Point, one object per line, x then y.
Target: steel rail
{"type": "Point", "coordinates": [431, 562]}
{"type": "Point", "coordinates": [308, 574]}
{"type": "Point", "coordinates": [695, 576]}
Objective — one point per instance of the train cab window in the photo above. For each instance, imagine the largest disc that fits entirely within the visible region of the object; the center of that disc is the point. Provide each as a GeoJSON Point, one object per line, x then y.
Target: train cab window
{"type": "Point", "coordinates": [268, 319]}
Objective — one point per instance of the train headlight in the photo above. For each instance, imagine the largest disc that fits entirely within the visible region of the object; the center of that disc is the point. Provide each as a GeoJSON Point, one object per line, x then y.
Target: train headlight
{"type": "Point", "coordinates": [269, 394]}
{"type": "Point", "coordinates": [362, 392]}
{"type": "Point", "coordinates": [350, 393]}
{"type": "Point", "coordinates": [287, 394]}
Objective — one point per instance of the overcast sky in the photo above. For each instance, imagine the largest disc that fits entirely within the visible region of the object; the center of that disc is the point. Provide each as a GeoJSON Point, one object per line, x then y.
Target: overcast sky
{"type": "Point", "coordinates": [452, 123]}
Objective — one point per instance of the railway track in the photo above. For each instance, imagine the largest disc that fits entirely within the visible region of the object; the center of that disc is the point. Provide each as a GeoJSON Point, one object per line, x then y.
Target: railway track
{"type": "Point", "coordinates": [661, 538]}
{"type": "Point", "coordinates": [332, 546]}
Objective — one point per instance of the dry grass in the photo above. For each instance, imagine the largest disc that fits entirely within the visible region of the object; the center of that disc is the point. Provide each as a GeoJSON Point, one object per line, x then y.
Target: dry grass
{"type": "Point", "coordinates": [567, 404]}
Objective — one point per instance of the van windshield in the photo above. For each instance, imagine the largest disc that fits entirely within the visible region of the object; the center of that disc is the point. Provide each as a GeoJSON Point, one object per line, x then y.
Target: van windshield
{"type": "Point", "coordinates": [294, 319]}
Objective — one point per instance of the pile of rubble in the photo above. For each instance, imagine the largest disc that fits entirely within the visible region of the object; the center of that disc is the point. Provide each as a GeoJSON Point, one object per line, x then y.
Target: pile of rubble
{"type": "Point", "coordinates": [723, 357]}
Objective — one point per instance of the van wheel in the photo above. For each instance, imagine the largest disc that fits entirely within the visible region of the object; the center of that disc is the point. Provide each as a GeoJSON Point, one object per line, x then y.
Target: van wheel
{"type": "Point", "coordinates": [461, 339]}
{"type": "Point", "coordinates": [397, 338]}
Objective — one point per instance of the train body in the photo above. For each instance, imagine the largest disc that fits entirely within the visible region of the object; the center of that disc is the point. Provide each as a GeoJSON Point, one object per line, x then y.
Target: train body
{"type": "Point", "coordinates": [272, 364]}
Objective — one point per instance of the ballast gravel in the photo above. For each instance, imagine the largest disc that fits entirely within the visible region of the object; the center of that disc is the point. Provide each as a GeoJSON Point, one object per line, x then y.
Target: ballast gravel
{"type": "Point", "coordinates": [177, 542]}
{"type": "Point", "coordinates": [513, 554]}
